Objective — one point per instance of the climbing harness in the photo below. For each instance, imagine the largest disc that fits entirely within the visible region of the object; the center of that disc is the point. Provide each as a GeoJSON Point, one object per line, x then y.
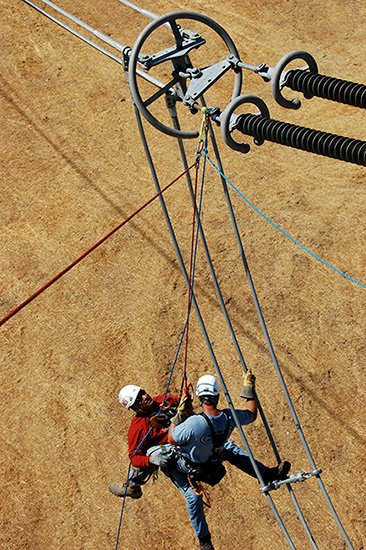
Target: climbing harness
{"type": "Point", "coordinates": [199, 490]}
{"type": "Point", "coordinates": [187, 87]}
{"type": "Point", "coordinates": [212, 471]}
{"type": "Point", "coordinates": [194, 242]}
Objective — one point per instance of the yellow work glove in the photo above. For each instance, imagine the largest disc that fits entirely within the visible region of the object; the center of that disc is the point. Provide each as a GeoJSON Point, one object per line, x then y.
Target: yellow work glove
{"type": "Point", "coordinates": [248, 390]}
{"type": "Point", "coordinates": [184, 403]}
{"type": "Point", "coordinates": [183, 410]}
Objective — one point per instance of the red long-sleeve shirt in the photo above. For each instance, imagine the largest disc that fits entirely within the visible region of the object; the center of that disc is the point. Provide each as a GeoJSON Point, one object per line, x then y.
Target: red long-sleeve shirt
{"type": "Point", "coordinates": [140, 426]}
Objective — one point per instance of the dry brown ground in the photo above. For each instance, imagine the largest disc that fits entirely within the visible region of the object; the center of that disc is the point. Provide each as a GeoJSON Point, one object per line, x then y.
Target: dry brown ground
{"type": "Point", "coordinates": [72, 168]}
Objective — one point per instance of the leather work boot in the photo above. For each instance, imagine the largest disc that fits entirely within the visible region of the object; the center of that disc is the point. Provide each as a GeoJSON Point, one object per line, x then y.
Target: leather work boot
{"type": "Point", "coordinates": [118, 489]}
{"type": "Point", "coordinates": [205, 543]}
{"type": "Point", "coordinates": [277, 473]}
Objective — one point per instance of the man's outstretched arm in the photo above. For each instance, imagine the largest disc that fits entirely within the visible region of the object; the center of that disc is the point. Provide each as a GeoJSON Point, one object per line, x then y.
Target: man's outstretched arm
{"type": "Point", "coordinates": [248, 393]}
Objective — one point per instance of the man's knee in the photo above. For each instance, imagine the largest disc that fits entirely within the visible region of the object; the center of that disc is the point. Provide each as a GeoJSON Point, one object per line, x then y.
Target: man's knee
{"type": "Point", "coordinates": [141, 476]}
{"type": "Point", "coordinates": [192, 498]}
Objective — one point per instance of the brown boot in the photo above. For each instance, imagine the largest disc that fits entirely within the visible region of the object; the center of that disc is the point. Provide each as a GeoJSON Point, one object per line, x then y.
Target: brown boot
{"type": "Point", "coordinates": [119, 489]}
{"type": "Point", "coordinates": [277, 473]}
{"type": "Point", "coordinates": [205, 542]}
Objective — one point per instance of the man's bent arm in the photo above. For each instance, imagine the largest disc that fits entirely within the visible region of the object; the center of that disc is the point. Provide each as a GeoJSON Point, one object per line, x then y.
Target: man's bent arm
{"type": "Point", "coordinates": [170, 437]}
{"type": "Point", "coordinates": [251, 405]}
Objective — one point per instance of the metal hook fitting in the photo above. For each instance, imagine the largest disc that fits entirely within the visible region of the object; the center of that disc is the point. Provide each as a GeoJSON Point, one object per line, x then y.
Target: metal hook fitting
{"type": "Point", "coordinates": [278, 77]}
{"type": "Point", "coordinates": [228, 121]}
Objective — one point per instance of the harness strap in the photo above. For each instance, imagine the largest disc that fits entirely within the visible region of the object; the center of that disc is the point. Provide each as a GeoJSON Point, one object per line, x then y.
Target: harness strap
{"type": "Point", "coordinates": [200, 491]}
{"type": "Point", "coordinates": [217, 443]}
{"type": "Point", "coordinates": [217, 440]}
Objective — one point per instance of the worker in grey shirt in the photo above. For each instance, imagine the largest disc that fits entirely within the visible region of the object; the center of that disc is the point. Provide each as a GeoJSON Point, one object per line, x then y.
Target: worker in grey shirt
{"type": "Point", "coordinates": [197, 436]}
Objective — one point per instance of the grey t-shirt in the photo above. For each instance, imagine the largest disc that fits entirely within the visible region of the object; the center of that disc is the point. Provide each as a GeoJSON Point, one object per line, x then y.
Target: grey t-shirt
{"type": "Point", "coordinates": [194, 434]}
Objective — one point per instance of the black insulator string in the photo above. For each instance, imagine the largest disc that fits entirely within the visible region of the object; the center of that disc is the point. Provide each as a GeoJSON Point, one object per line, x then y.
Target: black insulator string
{"type": "Point", "coordinates": [327, 87]}
{"type": "Point", "coordinates": [306, 139]}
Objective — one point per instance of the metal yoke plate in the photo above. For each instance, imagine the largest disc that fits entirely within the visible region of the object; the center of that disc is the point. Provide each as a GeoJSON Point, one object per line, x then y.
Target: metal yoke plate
{"type": "Point", "coordinates": [148, 61]}
{"type": "Point", "coordinates": [204, 79]}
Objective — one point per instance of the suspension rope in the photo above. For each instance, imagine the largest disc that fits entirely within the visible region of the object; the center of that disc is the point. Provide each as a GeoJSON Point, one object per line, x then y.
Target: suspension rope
{"type": "Point", "coordinates": [202, 142]}
{"type": "Point", "coordinates": [297, 507]}
{"type": "Point", "coordinates": [203, 327]}
{"type": "Point", "coordinates": [231, 329]}
{"type": "Point", "coordinates": [185, 328]}
{"type": "Point", "coordinates": [277, 367]}
{"type": "Point", "coordinates": [91, 249]}
{"type": "Point", "coordinates": [247, 271]}
{"type": "Point", "coordinates": [190, 285]}
{"type": "Point", "coordinates": [279, 228]}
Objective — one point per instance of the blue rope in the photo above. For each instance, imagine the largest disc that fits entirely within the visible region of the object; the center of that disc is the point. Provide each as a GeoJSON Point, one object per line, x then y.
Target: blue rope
{"type": "Point", "coordinates": [193, 270]}
{"type": "Point", "coordinates": [123, 506]}
{"type": "Point", "coordinates": [279, 228]}
{"type": "Point", "coordinates": [180, 341]}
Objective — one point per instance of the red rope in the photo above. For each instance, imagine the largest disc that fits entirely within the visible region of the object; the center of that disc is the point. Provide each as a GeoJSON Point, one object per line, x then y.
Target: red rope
{"type": "Point", "coordinates": [190, 278]}
{"type": "Point", "coordinates": [198, 153]}
{"type": "Point", "coordinates": [44, 287]}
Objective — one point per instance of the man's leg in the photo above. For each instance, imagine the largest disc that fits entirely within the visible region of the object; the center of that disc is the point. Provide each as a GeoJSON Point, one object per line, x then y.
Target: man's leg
{"type": "Point", "coordinates": [129, 489]}
{"type": "Point", "coordinates": [140, 477]}
{"type": "Point", "coordinates": [137, 476]}
{"type": "Point", "coordinates": [194, 503]}
{"type": "Point", "coordinates": [239, 458]}
{"type": "Point", "coordinates": [132, 488]}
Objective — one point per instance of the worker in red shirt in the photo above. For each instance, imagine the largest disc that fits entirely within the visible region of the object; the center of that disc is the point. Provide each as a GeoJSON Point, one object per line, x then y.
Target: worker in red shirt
{"type": "Point", "coordinates": [149, 449]}
{"type": "Point", "coordinates": [148, 446]}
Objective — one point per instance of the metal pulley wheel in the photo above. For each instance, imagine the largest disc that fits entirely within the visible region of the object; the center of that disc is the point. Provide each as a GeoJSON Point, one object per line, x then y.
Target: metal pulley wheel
{"type": "Point", "coordinates": [186, 83]}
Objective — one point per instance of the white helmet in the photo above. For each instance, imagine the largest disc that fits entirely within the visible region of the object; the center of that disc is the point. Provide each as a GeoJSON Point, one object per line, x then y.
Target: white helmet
{"type": "Point", "coordinates": [207, 385]}
{"type": "Point", "coordinates": [127, 395]}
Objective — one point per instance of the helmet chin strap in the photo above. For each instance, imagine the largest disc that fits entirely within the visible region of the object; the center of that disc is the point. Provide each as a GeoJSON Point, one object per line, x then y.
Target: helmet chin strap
{"type": "Point", "coordinates": [209, 400]}
{"type": "Point", "coordinates": [136, 408]}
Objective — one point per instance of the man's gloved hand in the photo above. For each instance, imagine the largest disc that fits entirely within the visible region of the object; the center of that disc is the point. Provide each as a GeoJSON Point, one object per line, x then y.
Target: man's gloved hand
{"type": "Point", "coordinates": [160, 458]}
{"type": "Point", "coordinates": [185, 403]}
{"type": "Point", "coordinates": [248, 390]}
{"type": "Point", "coordinates": [184, 409]}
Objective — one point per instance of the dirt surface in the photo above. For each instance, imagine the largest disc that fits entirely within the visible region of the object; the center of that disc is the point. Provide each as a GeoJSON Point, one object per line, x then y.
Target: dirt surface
{"type": "Point", "coordinates": [73, 168]}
